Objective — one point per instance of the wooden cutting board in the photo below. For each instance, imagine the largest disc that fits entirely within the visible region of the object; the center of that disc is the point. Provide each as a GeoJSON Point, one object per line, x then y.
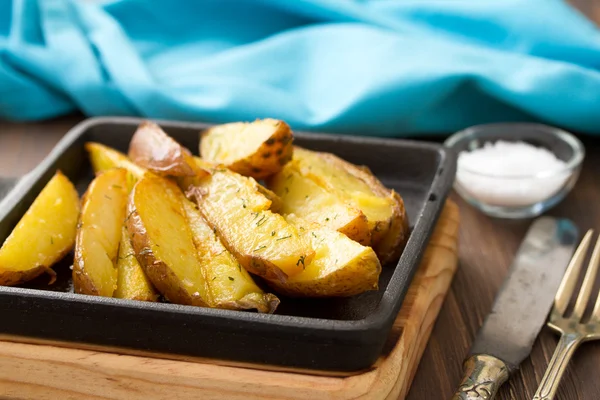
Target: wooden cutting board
{"type": "Point", "coordinates": [43, 370]}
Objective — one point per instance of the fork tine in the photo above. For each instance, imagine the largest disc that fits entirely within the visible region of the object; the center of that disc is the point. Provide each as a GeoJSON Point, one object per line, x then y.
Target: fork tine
{"type": "Point", "coordinates": [588, 283]}
{"type": "Point", "coordinates": [567, 285]}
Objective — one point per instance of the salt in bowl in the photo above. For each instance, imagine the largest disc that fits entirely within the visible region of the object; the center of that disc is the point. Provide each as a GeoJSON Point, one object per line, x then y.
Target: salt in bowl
{"type": "Point", "coordinates": [515, 170]}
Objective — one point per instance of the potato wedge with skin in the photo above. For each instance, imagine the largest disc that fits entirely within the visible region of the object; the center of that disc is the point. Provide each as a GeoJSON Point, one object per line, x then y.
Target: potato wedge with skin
{"type": "Point", "coordinates": [302, 196]}
{"type": "Point", "coordinates": [383, 208]}
{"type": "Point", "coordinates": [390, 247]}
{"type": "Point", "coordinates": [153, 149]}
{"type": "Point", "coordinates": [250, 185]}
{"type": "Point", "coordinates": [230, 286]}
{"type": "Point", "coordinates": [262, 241]}
{"type": "Point", "coordinates": [162, 241]}
{"type": "Point", "coordinates": [104, 158]}
{"type": "Point", "coordinates": [44, 235]}
{"type": "Point", "coordinates": [388, 244]}
{"type": "Point", "coordinates": [99, 234]}
{"type": "Point", "coordinates": [257, 149]}
{"type": "Point", "coordinates": [132, 282]}
{"type": "Point", "coordinates": [276, 202]}
{"type": "Point", "coordinates": [341, 267]}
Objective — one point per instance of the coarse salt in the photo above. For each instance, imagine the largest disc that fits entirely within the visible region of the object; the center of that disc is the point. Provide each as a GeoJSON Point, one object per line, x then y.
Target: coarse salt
{"type": "Point", "coordinates": [511, 174]}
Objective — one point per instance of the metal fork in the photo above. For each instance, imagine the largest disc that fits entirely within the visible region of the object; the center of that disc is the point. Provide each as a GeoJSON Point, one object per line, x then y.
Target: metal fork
{"type": "Point", "coordinates": [571, 327]}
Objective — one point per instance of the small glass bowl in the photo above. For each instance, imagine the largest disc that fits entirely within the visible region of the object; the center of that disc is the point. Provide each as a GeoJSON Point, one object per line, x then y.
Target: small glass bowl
{"type": "Point", "coordinates": [517, 196]}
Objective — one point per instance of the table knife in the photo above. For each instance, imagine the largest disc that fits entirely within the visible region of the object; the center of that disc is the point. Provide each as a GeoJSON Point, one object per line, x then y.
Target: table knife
{"type": "Point", "coordinates": [520, 308]}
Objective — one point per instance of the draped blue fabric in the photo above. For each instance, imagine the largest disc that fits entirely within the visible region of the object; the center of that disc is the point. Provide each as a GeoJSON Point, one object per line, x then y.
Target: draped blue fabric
{"type": "Point", "coordinates": [370, 67]}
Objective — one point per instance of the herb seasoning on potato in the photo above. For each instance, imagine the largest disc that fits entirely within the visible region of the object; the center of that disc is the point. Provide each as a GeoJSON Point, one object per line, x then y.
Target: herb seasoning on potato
{"type": "Point", "coordinates": [240, 213]}
{"type": "Point", "coordinates": [132, 282]}
{"type": "Point", "coordinates": [341, 267]}
{"type": "Point", "coordinates": [230, 286]}
{"type": "Point", "coordinates": [321, 228]}
{"type": "Point", "coordinates": [340, 195]}
{"type": "Point", "coordinates": [162, 241]}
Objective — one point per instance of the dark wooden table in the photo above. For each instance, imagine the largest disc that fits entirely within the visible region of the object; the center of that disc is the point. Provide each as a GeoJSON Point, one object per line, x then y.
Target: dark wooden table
{"type": "Point", "coordinates": [487, 247]}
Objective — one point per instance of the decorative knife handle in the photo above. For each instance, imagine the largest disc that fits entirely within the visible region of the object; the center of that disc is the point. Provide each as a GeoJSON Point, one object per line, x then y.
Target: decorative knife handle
{"type": "Point", "coordinates": [484, 375]}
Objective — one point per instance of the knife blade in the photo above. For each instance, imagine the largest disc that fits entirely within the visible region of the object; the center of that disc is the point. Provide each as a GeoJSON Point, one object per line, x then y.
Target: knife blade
{"type": "Point", "coordinates": [520, 308]}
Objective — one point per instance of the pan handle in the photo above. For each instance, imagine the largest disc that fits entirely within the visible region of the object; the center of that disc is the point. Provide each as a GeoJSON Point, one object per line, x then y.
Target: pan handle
{"type": "Point", "coordinates": [484, 374]}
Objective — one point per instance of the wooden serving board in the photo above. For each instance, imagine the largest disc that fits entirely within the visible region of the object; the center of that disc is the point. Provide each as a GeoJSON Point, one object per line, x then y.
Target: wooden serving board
{"type": "Point", "coordinates": [52, 371]}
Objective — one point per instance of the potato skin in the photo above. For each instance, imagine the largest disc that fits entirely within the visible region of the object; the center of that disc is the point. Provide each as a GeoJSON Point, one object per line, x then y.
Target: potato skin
{"type": "Point", "coordinates": [265, 303]}
{"type": "Point", "coordinates": [35, 245]}
{"type": "Point", "coordinates": [262, 241]}
{"type": "Point", "coordinates": [11, 278]}
{"type": "Point", "coordinates": [160, 273]}
{"type": "Point", "coordinates": [276, 202]}
{"type": "Point", "coordinates": [153, 149]}
{"type": "Point", "coordinates": [230, 286]}
{"type": "Point", "coordinates": [390, 247]}
{"type": "Point", "coordinates": [132, 282]}
{"type": "Point", "coordinates": [390, 244]}
{"type": "Point", "coordinates": [271, 155]}
{"type": "Point", "coordinates": [388, 238]}
{"type": "Point", "coordinates": [83, 284]}
{"type": "Point", "coordinates": [302, 195]}
{"type": "Point", "coordinates": [163, 279]}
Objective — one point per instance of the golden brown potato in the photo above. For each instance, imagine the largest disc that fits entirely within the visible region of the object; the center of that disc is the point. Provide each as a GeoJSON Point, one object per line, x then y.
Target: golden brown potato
{"type": "Point", "coordinates": [391, 245]}
{"type": "Point", "coordinates": [250, 184]}
{"type": "Point", "coordinates": [341, 267]}
{"type": "Point", "coordinates": [257, 149]}
{"type": "Point", "coordinates": [99, 234]}
{"type": "Point", "coordinates": [153, 149]}
{"type": "Point", "coordinates": [104, 158]}
{"type": "Point", "coordinates": [163, 243]}
{"type": "Point", "coordinates": [132, 282]}
{"type": "Point", "coordinates": [383, 208]}
{"type": "Point", "coordinates": [303, 196]}
{"type": "Point", "coordinates": [263, 242]}
{"type": "Point", "coordinates": [276, 202]}
{"type": "Point", "coordinates": [43, 236]}
{"type": "Point", "coordinates": [230, 286]}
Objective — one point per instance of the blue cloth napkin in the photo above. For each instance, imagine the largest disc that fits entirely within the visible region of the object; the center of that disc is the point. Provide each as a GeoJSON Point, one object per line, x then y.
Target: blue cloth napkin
{"type": "Point", "coordinates": [370, 67]}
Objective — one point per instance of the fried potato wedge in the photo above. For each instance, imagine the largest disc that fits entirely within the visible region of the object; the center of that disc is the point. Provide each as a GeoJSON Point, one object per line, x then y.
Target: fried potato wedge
{"type": "Point", "coordinates": [163, 243]}
{"type": "Point", "coordinates": [262, 241]}
{"type": "Point", "coordinates": [99, 233]}
{"type": "Point", "coordinates": [276, 202]}
{"type": "Point", "coordinates": [257, 149]}
{"type": "Point", "coordinates": [303, 196]}
{"type": "Point", "coordinates": [153, 149]}
{"type": "Point", "coordinates": [104, 158]}
{"type": "Point", "coordinates": [132, 282]}
{"type": "Point", "coordinates": [391, 245]}
{"type": "Point", "coordinates": [251, 186]}
{"type": "Point", "coordinates": [384, 209]}
{"type": "Point", "coordinates": [341, 267]}
{"type": "Point", "coordinates": [230, 285]}
{"type": "Point", "coordinates": [44, 235]}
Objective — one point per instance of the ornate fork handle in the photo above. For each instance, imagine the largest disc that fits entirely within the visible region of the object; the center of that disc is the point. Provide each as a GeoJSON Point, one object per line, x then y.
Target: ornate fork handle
{"type": "Point", "coordinates": [566, 347]}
